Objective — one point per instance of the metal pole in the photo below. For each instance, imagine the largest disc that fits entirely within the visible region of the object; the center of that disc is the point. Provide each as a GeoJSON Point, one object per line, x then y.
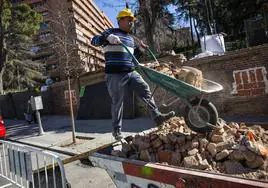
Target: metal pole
{"type": "Point", "coordinates": [41, 130]}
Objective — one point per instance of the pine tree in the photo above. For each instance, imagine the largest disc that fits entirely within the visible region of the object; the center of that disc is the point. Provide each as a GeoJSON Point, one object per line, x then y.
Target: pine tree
{"type": "Point", "coordinates": [18, 24]}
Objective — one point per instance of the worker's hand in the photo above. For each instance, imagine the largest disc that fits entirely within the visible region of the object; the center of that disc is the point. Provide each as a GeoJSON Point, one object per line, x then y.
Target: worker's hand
{"type": "Point", "coordinates": [143, 44]}
{"type": "Point", "coordinates": [113, 39]}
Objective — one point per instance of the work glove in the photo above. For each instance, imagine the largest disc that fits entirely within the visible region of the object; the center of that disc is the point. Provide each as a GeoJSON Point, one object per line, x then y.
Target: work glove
{"type": "Point", "coordinates": [143, 45]}
{"type": "Point", "coordinates": [113, 39]}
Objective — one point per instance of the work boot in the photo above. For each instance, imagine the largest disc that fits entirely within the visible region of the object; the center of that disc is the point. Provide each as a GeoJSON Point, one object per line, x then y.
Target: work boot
{"type": "Point", "coordinates": [163, 117]}
{"type": "Point", "coordinates": [117, 134]}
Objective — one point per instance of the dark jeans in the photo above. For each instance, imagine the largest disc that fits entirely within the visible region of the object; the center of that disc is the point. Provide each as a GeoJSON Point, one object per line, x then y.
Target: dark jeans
{"type": "Point", "coordinates": [116, 84]}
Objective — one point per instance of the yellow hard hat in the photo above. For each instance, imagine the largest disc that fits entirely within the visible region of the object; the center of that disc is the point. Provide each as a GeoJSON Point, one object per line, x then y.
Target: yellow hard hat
{"type": "Point", "coordinates": [125, 13]}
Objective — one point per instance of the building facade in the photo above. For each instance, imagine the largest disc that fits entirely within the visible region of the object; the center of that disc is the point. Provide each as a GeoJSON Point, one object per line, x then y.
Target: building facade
{"type": "Point", "coordinates": [63, 42]}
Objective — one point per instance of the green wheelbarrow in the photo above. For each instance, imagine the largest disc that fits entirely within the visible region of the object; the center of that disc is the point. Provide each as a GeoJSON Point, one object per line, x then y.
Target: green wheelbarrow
{"type": "Point", "coordinates": [200, 114]}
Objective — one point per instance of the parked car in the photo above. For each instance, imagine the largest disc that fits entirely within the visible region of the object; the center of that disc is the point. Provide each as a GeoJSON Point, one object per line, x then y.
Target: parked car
{"type": "Point", "coordinates": [2, 127]}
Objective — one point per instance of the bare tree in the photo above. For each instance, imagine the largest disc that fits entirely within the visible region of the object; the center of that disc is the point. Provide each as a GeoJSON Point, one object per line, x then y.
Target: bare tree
{"type": "Point", "coordinates": [64, 44]}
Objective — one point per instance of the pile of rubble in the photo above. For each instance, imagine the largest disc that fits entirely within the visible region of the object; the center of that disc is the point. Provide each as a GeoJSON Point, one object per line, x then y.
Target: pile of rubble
{"type": "Point", "coordinates": [235, 149]}
{"type": "Point", "coordinates": [187, 74]}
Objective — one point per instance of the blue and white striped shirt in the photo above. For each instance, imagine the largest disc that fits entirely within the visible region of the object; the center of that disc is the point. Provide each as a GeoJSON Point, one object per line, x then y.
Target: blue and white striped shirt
{"type": "Point", "coordinates": [117, 59]}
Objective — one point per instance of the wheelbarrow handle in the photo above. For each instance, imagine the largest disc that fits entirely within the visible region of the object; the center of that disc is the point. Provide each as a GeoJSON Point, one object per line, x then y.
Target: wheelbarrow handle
{"type": "Point", "coordinates": [152, 54]}
{"type": "Point", "coordinates": [136, 62]}
{"type": "Point", "coordinates": [135, 59]}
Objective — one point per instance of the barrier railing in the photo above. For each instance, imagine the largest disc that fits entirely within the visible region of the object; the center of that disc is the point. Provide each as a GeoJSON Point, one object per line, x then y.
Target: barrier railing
{"type": "Point", "coordinates": [27, 166]}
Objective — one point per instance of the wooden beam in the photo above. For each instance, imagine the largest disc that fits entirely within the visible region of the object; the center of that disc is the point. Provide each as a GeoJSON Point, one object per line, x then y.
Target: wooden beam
{"type": "Point", "coordinates": [76, 157]}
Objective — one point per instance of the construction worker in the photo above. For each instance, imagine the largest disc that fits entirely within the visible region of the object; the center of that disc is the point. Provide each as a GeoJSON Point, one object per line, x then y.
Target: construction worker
{"type": "Point", "coordinates": [120, 71]}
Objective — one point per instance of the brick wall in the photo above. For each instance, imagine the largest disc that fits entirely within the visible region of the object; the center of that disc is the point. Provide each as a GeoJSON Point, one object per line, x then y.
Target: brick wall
{"type": "Point", "coordinates": [60, 97]}
{"type": "Point", "coordinates": [250, 82]}
{"type": "Point", "coordinates": [243, 74]}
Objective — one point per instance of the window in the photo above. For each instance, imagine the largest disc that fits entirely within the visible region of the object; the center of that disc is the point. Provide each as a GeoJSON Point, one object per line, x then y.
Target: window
{"type": "Point", "coordinates": [45, 36]}
{"type": "Point", "coordinates": [38, 5]}
{"type": "Point", "coordinates": [35, 49]}
{"type": "Point", "coordinates": [44, 25]}
{"type": "Point", "coordinates": [45, 13]}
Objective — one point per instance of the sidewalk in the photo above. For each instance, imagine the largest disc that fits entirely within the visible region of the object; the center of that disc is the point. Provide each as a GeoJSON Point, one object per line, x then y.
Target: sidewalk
{"type": "Point", "coordinates": [58, 132]}
{"type": "Point", "coordinates": [95, 132]}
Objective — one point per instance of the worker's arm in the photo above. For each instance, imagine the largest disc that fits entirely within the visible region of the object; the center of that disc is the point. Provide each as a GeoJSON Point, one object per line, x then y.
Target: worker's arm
{"type": "Point", "coordinates": [105, 38]}
{"type": "Point", "coordinates": [100, 40]}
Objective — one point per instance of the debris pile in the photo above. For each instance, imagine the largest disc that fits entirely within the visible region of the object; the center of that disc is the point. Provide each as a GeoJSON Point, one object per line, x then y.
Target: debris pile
{"type": "Point", "coordinates": [235, 149]}
{"type": "Point", "coordinates": [187, 74]}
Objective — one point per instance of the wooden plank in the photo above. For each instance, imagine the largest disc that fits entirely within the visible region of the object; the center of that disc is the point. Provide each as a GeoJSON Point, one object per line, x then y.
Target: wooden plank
{"type": "Point", "coordinates": [77, 157]}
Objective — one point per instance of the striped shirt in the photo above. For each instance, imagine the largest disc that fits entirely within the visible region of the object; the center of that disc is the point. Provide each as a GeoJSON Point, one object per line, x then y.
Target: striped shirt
{"type": "Point", "coordinates": [117, 59]}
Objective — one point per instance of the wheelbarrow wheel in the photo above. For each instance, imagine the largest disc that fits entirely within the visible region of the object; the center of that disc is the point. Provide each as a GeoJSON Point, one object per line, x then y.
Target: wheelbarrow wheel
{"type": "Point", "coordinates": [197, 117]}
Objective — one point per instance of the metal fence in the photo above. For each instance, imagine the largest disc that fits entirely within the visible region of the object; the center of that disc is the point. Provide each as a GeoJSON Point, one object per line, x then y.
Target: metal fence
{"type": "Point", "coordinates": [27, 166]}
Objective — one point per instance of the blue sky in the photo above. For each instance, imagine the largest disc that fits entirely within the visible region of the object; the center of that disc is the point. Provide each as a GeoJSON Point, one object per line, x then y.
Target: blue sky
{"type": "Point", "coordinates": [112, 7]}
{"type": "Point", "coordinates": [111, 12]}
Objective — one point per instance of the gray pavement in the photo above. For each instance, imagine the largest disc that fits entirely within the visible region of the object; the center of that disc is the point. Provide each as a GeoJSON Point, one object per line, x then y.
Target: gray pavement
{"type": "Point", "coordinates": [58, 132]}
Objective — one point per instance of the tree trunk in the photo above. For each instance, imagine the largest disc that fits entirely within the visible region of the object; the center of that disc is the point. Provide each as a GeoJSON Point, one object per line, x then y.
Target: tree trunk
{"type": "Point", "coordinates": [1, 82]}
{"type": "Point", "coordinates": [149, 34]}
{"type": "Point", "coordinates": [149, 24]}
{"type": "Point", "coordinates": [197, 34]}
{"type": "Point", "coordinates": [209, 29]}
{"type": "Point", "coordinates": [3, 52]}
{"type": "Point", "coordinates": [191, 26]}
{"type": "Point", "coordinates": [71, 110]}
{"type": "Point", "coordinates": [3, 60]}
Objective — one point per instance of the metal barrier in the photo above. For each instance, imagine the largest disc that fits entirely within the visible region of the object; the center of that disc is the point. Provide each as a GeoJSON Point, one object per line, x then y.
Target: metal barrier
{"type": "Point", "coordinates": [27, 166]}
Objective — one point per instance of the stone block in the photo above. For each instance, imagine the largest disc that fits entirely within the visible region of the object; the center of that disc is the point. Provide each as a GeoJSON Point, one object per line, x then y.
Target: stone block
{"type": "Point", "coordinates": [165, 156]}
{"type": "Point", "coordinates": [203, 142]}
{"type": "Point", "coordinates": [217, 138]}
{"type": "Point", "coordinates": [223, 154]}
{"type": "Point", "coordinates": [258, 162]}
{"type": "Point", "coordinates": [190, 162]}
{"type": "Point", "coordinates": [193, 152]}
{"type": "Point", "coordinates": [212, 149]}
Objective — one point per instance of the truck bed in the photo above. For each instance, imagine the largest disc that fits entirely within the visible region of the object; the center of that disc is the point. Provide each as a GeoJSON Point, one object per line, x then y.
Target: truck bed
{"type": "Point", "coordinates": [138, 174]}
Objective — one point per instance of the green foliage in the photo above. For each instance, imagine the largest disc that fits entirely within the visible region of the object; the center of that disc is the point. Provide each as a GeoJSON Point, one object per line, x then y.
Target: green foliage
{"type": "Point", "coordinates": [6, 14]}
{"type": "Point", "coordinates": [20, 24]}
{"type": "Point", "coordinates": [229, 16]}
{"type": "Point", "coordinates": [24, 20]}
{"type": "Point", "coordinates": [23, 24]}
{"type": "Point", "coordinates": [22, 74]}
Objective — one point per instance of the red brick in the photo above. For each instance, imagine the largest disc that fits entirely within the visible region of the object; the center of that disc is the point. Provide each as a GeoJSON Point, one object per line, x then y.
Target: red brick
{"type": "Point", "coordinates": [261, 85]}
{"type": "Point", "coordinates": [165, 156]}
{"type": "Point", "coordinates": [256, 92]}
{"type": "Point", "coordinates": [254, 85]}
{"type": "Point", "coordinates": [252, 76]}
{"type": "Point", "coordinates": [238, 78]}
{"type": "Point", "coordinates": [239, 86]}
{"type": "Point", "coordinates": [248, 86]}
{"type": "Point", "coordinates": [244, 92]}
{"type": "Point", "coordinates": [259, 75]}
{"type": "Point", "coordinates": [245, 77]}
